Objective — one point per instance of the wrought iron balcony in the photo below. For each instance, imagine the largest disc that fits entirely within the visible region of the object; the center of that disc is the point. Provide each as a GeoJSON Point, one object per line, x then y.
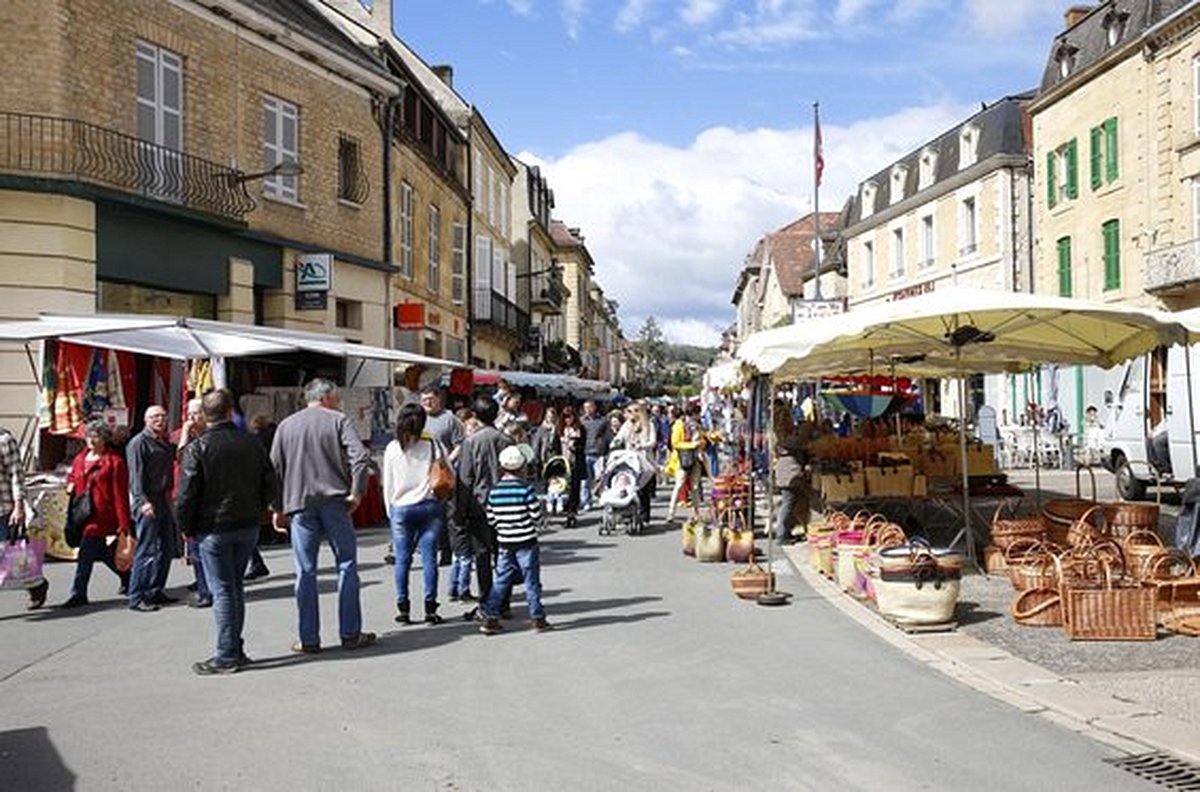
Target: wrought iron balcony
{"type": "Point", "coordinates": [1173, 267]}
{"type": "Point", "coordinates": [494, 309]}
{"type": "Point", "coordinates": [66, 149]}
{"type": "Point", "coordinates": [546, 294]}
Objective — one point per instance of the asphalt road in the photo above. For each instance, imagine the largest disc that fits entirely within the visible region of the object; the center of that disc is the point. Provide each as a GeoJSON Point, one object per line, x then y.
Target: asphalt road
{"type": "Point", "coordinates": [655, 678]}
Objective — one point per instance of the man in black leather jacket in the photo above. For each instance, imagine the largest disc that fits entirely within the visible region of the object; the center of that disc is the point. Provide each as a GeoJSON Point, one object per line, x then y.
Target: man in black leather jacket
{"type": "Point", "coordinates": [226, 483]}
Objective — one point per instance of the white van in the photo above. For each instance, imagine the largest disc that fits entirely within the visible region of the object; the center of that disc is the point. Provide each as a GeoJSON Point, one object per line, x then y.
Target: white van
{"type": "Point", "coordinates": [1150, 433]}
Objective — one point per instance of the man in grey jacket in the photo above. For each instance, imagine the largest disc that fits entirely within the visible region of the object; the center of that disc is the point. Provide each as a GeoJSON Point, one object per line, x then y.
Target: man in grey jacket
{"type": "Point", "coordinates": [322, 466]}
{"type": "Point", "coordinates": [151, 459]}
{"type": "Point", "coordinates": [478, 470]}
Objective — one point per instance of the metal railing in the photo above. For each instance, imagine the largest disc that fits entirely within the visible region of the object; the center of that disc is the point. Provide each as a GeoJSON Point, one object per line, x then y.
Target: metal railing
{"type": "Point", "coordinates": [546, 290]}
{"type": "Point", "coordinates": [1173, 266]}
{"type": "Point", "coordinates": [493, 308]}
{"type": "Point", "coordinates": [68, 149]}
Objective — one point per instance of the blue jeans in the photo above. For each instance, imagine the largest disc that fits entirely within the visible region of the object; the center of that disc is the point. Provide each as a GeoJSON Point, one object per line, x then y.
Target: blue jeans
{"type": "Point", "coordinates": [328, 521]}
{"type": "Point", "coordinates": [589, 476]}
{"type": "Point", "coordinates": [460, 574]}
{"type": "Point", "coordinates": [523, 559]}
{"type": "Point", "coordinates": [223, 558]}
{"type": "Point", "coordinates": [418, 525]}
{"type": "Point", "coordinates": [152, 558]}
{"type": "Point", "coordinates": [91, 550]}
{"type": "Point", "coordinates": [192, 551]}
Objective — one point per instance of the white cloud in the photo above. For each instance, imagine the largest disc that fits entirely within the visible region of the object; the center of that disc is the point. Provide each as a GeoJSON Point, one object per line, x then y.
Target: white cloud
{"type": "Point", "coordinates": [670, 227]}
{"type": "Point", "coordinates": [521, 7]}
{"type": "Point", "coordinates": [685, 331]}
{"type": "Point", "coordinates": [698, 13]}
{"type": "Point", "coordinates": [848, 12]}
{"type": "Point", "coordinates": [772, 23]}
{"type": "Point", "coordinates": [573, 12]}
{"type": "Point", "coordinates": [1003, 18]}
{"type": "Point", "coordinates": [631, 15]}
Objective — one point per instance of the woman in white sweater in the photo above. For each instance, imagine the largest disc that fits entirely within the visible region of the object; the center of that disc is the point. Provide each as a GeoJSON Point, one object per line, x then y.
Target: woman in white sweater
{"type": "Point", "coordinates": [416, 515]}
{"type": "Point", "coordinates": [640, 434]}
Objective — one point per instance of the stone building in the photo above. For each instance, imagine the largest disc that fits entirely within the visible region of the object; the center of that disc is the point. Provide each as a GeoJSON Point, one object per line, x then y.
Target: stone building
{"type": "Point", "coordinates": [540, 285]}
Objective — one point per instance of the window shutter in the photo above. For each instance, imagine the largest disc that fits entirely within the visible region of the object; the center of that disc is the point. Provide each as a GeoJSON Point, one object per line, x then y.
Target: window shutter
{"type": "Point", "coordinates": [1064, 267]}
{"type": "Point", "coordinates": [1051, 187]}
{"type": "Point", "coordinates": [1097, 179]}
{"type": "Point", "coordinates": [1112, 163]}
{"type": "Point", "coordinates": [1073, 169]}
{"type": "Point", "coordinates": [1112, 254]}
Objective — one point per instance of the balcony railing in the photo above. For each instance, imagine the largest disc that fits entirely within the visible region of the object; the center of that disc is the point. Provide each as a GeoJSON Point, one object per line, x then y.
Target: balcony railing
{"type": "Point", "coordinates": [67, 149]}
{"type": "Point", "coordinates": [546, 293]}
{"type": "Point", "coordinates": [492, 308]}
{"type": "Point", "coordinates": [1173, 267]}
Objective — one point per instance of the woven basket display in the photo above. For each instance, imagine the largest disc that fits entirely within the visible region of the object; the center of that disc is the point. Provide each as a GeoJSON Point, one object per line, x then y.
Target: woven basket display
{"type": "Point", "coordinates": [1123, 518]}
{"type": "Point", "coordinates": [1031, 564]}
{"type": "Point", "coordinates": [1038, 607]}
{"type": "Point", "coordinates": [1062, 513]}
{"type": "Point", "coordinates": [1110, 613]}
{"type": "Point", "coordinates": [994, 562]}
{"type": "Point", "coordinates": [1005, 531]}
{"type": "Point", "coordinates": [1090, 526]}
{"type": "Point", "coordinates": [1139, 548]}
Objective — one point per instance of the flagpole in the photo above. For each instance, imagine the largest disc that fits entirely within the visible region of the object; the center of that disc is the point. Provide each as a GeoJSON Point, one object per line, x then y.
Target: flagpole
{"type": "Point", "coordinates": [818, 163]}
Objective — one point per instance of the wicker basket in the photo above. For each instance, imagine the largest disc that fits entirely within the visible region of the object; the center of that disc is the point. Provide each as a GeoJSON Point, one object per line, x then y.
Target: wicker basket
{"type": "Point", "coordinates": [1138, 549]}
{"type": "Point", "coordinates": [1007, 531]}
{"type": "Point", "coordinates": [1031, 564]}
{"type": "Point", "coordinates": [752, 581]}
{"type": "Point", "coordinates": [994, 562]}
{"type": "Point", "coordinates": [1038, 607]}
{"type": "Point", "coordinates": [1123, 517]}
{"type": "Point", "coordinates": [1109, 614]}
{"type": "Point", "coordinates": [1084, 530]}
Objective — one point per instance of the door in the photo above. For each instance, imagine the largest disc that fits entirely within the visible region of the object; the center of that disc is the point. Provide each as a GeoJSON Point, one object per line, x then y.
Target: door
{"type": "Point", "coordinates": [159, 122]}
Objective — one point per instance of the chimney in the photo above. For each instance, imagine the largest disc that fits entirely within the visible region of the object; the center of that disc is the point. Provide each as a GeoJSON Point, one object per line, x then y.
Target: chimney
{"type": "Point", "coordinates": [445, 73]}
{"type": "Point", "coordinates": [1076, 13]}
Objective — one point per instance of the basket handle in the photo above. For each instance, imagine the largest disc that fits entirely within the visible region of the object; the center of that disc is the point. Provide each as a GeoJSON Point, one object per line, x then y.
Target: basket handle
{"type": "Point", "coordinates": [1050, 602]}
{"type": "Point", "coordinates": [1140, 532]}
{"type": "Point", "coordinates": [1173, 554]}
{"type": "Point", "coordinates": [1025, 547]}
{"type": "Point", "coordinates": [1097, 509]}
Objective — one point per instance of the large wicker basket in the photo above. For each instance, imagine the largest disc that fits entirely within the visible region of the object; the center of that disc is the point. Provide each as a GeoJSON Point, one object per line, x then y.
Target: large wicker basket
{"type": "Point", "coordinates": [1109, 614]}
{"type": "Point", "coordinates": [1006, 530]}
{"type": "Point", "coordinates": [1038, 607]}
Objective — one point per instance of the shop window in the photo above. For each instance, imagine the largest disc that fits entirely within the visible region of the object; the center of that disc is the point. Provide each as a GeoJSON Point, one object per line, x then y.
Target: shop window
{"type": "Point", "coordinates": [348, 314]}
{"type": "Point", "coordinates": [281, 143]}
{"type": "Point", "coordinates": [132, 298]}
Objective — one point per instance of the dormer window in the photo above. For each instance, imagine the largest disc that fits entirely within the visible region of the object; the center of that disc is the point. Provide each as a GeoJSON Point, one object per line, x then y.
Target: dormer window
{"type": "Point", "coordinates": [968, 146]}
{"type": "Point", "coordinates": [899, 176]}
{"type": "Point", "coordinates": [1064, 56]}
{"type": "Point", "coordinates": [868, 199]}
{"type": "Point", "coordinates": [927, 168]}
{"type": "Point", "coordinates": [1114, 26]}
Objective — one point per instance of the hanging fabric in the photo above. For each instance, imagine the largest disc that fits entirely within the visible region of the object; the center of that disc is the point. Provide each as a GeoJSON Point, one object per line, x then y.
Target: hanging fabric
{"type": "Point", "coordinates": [95, 390]}
{"type": "Point", "coordinates": [49, 385]}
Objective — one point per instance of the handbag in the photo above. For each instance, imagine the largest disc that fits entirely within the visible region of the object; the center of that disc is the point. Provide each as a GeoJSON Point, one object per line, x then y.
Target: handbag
{"type": "Point", "coordinates": [21, 563]}
{"type": "Point", "coordinates": [687, 458]}
{"type": "Point", "coordinates": [441, 478]}
{"type": "Point", "coordinates": [79, 512]}
{"type": "Point", "coordinates": [123, 553]}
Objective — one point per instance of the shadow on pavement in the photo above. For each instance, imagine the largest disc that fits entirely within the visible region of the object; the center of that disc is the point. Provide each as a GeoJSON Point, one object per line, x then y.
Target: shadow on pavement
{"type": "Point", "coordinates": [601, 621]}
{"type": "Point", "coordinates": [971, 613]}
{"type": "Point", "coordinates": [325, 585]}
{"type": "Point", "coordinates": [29, 760]}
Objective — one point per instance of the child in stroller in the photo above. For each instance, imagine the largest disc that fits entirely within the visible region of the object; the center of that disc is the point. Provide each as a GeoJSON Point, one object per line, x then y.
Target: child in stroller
{"type": "Point", "coordinates": [619, 477]}
{"type": "Point", "coordinates": [556, 476]}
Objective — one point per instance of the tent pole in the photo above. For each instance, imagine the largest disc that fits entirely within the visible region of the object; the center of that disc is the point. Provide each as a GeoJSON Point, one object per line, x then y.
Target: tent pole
{"type": "Point", "coordinates": [962, 447]}
{"type": "Point", "coordinates": [1037, 447]}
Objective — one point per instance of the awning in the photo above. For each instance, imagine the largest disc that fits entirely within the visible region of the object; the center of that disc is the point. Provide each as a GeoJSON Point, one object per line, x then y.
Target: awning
{"type": "Point", "coordinates": [187, 339]}
{"type": "Point", "coordinates": [551, 384]}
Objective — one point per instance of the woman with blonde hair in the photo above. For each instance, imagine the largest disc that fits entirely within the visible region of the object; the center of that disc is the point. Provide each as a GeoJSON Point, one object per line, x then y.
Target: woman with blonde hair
{"type": "Point", "coordinates": [639, 434]}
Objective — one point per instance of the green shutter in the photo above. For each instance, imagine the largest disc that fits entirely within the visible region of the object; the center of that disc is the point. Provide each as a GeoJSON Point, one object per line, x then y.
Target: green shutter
{"type": "Point", "coordinates": [1112, 254]}
{"type": "Point", "coordinates": [1051, 197]}
{"type": "Point", "coordinates": [1072, 153]}
{"type": "Point", "coordinates": [1097, 177]}
{"type": "Point", "coordinates": [1064, 267]}
{"type": "Point", "coordinates": [1112, 165]}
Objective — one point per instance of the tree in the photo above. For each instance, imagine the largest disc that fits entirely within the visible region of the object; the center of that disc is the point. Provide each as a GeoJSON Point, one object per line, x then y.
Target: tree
{"type": "Point", "coordinates": [650, 354]}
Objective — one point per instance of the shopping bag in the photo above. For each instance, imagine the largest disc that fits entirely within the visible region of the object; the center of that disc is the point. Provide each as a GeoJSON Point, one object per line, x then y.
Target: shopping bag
{"type": "Point", "coordinates": [21, 563]}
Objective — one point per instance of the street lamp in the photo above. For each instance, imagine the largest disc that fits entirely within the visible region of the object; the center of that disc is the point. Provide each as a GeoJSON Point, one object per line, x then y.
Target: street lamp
{"type": "Point", "coordinates": [281, 168]}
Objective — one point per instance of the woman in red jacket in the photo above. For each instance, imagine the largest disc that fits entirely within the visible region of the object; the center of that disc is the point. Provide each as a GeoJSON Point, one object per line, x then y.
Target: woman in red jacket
{"type": "Point", "coordinates": [101, 470]}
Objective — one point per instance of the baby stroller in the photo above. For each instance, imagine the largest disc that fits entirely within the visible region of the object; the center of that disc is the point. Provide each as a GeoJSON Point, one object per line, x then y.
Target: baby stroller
{"type": "Point", "coordinates": [620, 476]}
{"type": "Point", "coordinates": [556, 481]}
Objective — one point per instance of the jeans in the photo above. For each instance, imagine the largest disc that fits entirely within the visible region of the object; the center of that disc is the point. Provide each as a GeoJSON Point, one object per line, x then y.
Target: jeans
{"type": "Point", "coordinates": [526, 560]}
{"type": "Point", "coordinates": [329, 521]}
{"type": "Point", "coordinates": [419, 525]}
{"type": "Point", "coordinates": [714, 463]}
{"type": "Point", "coordinates": [223, 558]}
{"type": "Point", "coordinates": [91, 550]}
{"type": "Point", "coordinates": [460, 574]}
{"type": "Point", "coordinates": [192, 550]}
{"type": "Point", "coordinates": [152, 558]}
{"type": "Point", "coordinates": [589, 476]}
{"type": "Point", "coordinates": [787, 508]}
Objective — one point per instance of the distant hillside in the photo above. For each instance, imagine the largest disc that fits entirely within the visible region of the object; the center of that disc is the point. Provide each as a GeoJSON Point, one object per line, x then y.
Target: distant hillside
{"type": "Point", "coordinates": [687, 353]}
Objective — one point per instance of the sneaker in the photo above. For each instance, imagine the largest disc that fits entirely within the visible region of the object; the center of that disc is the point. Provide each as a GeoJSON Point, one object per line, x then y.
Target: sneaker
{"type": "Point", "coordinates": [243, 660]}
{"type": "Point", "coordinates": [211, 667]}
{"type": "Point", "coordinates": [541, 625]}
{"type": "Point", "coordinates": [360, 641]}
{"type": "Point", "coordinates": [200, 602]}
{"type": "Point", "coordinates": [389, 559]}
{"type": "Point", "coordinates": [254, 573]}
{"type": "Point", "coordinates": [143, 607]}
{"type": "Point", "coordinates": [302, 648]}
{"type": "Point", "coordinates": [468, 597]}
{"type": "Point", "coordinates": [433, 618]}
{"type": "Point", "coordinates": [453, 597]}
{"type": "Point", "coordinates": [37, 595]}
{"type": "Point", "coordinates": [472, 615]}
{"type": "Point", "coordinates": [75, 601]}
{"type": "Point", "coordinates": [490, 626]}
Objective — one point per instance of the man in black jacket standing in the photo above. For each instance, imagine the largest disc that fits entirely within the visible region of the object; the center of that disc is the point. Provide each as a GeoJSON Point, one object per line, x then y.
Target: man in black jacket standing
{"type": "Point", "coordinates": [226, 483]}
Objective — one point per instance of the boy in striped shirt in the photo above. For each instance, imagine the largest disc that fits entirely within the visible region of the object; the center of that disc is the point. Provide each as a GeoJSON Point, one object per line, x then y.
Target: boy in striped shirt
{"type": "Point", "coordinates": [514, 512]}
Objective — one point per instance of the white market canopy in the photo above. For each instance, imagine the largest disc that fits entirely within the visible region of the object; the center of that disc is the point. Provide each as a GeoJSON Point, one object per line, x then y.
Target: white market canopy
{"type": "Point", "coordinates": [726, 375]}
{"type": "Point", "coordinates": [963, 330]}
{"type": "Point", "coordinates": [188, 339]}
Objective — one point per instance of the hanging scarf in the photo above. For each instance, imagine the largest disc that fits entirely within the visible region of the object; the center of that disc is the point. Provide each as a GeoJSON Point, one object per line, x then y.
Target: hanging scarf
{"type": "Point", "coordinates": [95, 391]}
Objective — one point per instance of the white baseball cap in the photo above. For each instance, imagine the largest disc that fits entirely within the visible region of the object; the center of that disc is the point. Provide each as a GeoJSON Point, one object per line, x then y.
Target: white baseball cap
{"type": "Point", "coordinates": [513, 458]}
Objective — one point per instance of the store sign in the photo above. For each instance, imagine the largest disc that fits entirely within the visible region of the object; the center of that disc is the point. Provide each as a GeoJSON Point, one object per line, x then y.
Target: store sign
{"type": "Point", "coordinates": [314, 272]}
{"type": "Point", "coordinates": [409, 316]}
{"type": "Point", "coordinates": [916, 290]}
{"type": "Point", "coordinates": [805, 310]}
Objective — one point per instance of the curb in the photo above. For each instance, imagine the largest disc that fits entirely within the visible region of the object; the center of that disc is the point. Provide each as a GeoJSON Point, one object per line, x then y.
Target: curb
{"type": "Point", "coordinates": [1122, 725]}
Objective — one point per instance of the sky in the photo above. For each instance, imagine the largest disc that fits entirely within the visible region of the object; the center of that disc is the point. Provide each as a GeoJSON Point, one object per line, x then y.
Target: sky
{"type": "Point", "coordinates": [676, 133]}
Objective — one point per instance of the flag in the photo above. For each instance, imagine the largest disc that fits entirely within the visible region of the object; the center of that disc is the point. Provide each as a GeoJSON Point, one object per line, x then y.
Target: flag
{"type": "Point", "coordinates": [818, 154]}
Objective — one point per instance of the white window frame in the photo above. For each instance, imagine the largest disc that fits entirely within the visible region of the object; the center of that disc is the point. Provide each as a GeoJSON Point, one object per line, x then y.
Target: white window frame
{"type": "Point", "coordinates": [868, 199]}
{"type": "Point", "coordinates": [1196, 94]}
{"type": "Point", "coordinates": [899, 177]}
{"type": "Point", "coordinates": [277, 112]}
{"type": "Point", "coordinates": [477, 175]}
{"type": "Point", "coordinates": [968, 146]}
{"type": "Point", "coordinates": [458, 263]}
{"type": "Point", "coordinates": [499, 276]}
{"type": "Point", "coordinates": [896, 248]}
{"type": "Point", "coordinates": [483, 263]}
{"type": "Point", "coordinates": [868, 265]}
{"type": "Point", "coordinates": [491, 196]}
{"type": "Point", "coordinates": [927, 169]}
{"type": "Point", "coordinates": [405, 221]}
{"type": "Point", "coordinates": [968, 232]}
{"type": "Point", "coordinates": [168, 67]}
{"type": "Point", "coordinates": [928, 242]}
{"type": "Point", "coordinates": [435, 249]}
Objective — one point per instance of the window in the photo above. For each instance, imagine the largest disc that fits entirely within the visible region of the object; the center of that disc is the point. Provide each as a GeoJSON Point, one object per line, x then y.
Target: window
{"type": "Point", "coordinates": [1114, 26]}
{"type": "Point", "coordinates": [435, 244]}
{"type": "Point", "coordinates": [868, 265]}
{"type": "Point", "coordinates": [899, 176]}
{"type": "Point", "coordinates": [1105, 154]}
{"type": "Point", "coordinates": [352, 184]}
{"type": "Point", "coordinates": [504, 199]}
{"type": "Point", "coordinates": [1196, 93]}
{"type": "Point", "coordinates": [1062, 172]}
{"type": "Point", "coordinates": [1065, 57]}
{"type": "Point", "coordinates": [868, 199]}
{"type": "Point", "coordinates": [406, 230]}
{"type": "Point", "coordinates": [1112, 254]}
{"type": "Point", "coordinates": [483, 263]}
{"type": "Point", "coordinates": [160, 118]}
{"type": "Point", "coordinates": [491, 196]}
{"type": "Point", "coordinates": [927, 243]}
{"type": "Point", "coordinates": [1064, 267]}
{"type": "Point", "coordinates": [897, 270]}
{"type": "Point", "coordinates": [348, 314]}
{"type": "Point", "coordinates": [968, 146]}
{"type": "Point", "coordinates": [456, 349]}
{"type": "Point", "coordinates": [281, 136]}
{"type": "Point", "coordinates": [927, 170]}
{"type": "Point", "coordinates": [458, 264]}
{"type": "Point", "coordinates": [477, 175]}
{"type": "Point", "coordinates": [968, 227]}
